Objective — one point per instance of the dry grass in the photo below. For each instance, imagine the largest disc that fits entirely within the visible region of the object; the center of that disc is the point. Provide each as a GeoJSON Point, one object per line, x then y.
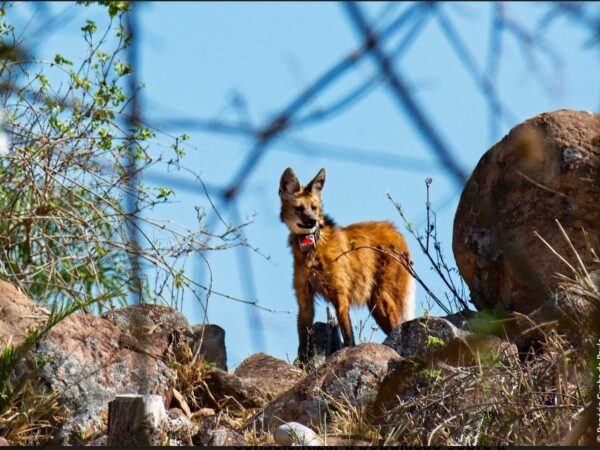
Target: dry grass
{"type": "Point", "coordinates": [509, 403]}
{"type": "Point", "coordinates": [192, 374]}
{"type": "Point", "coordinates": [254, 437]}
{"type": "Point", "coordinates": [32, 416]}
{"type": "Point", "coordinates": [348, 424]}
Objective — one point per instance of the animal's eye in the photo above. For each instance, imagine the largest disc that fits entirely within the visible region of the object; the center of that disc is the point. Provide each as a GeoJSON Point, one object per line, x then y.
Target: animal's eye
{"type": "Point", "coordinates": [313, 207]}
{"type": "Point", "coordinates": [299, 208]}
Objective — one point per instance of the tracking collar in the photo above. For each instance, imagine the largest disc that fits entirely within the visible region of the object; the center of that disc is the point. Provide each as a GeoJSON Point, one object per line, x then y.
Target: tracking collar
{"type": "Point", "coordinates": [308, 242]}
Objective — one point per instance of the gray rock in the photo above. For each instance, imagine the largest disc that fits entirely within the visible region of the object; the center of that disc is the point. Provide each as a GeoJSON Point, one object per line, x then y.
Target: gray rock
{"type": "Point", "coordinates": [88, 360]}
{"type": "Point", "coordinates": [211, 342]}
{"type": "Point", "coordinates": [271, 375]}
{"type": "Point", "coordinates": [461, 319]}
{"type": "Point", "coordinates": [224, 437]}
{"type": "Point", "coordinates": [422, 336]}
{"type": "Point", "coordinates": [294, 433]}
{"type": "Point", "coordinates": [229, 389]}
{"type": "Point", "coordinates": [179, 426]}
{"type": "Point", "coordinates": [203, 429]}
{"type": "Point", "coordinates": [351, 376]}
{"type": "Point", "coordinates": [325, 340]}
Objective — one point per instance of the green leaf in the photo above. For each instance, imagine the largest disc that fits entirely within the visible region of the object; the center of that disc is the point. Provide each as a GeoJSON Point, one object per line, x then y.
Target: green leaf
{"type": "Point", "coordinates": [432, 374]}
{"type": "Point", "coordinates": [60, 59]}
{"type": "Point", "coordinates": [115, 8]}
{"type": "Point", "coordinates": [122, 69]}
{"type": "Point", "coordinates": [89, 27]}
{"type": "Point", "coordinates": [434, 341]}
{"type": "Point", "coordinates": [102, 56]}
{"type": "Point", "coordinates": [164, 193]}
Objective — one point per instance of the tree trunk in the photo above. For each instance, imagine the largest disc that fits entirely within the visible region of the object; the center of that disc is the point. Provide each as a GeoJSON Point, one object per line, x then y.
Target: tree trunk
{"type": "Point", "coordinates": [136, 420]}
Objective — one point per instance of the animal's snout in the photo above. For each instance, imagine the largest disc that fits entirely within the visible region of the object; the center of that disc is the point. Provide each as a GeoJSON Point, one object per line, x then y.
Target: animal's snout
{"type": "Point", "coordinates": [309, 222]}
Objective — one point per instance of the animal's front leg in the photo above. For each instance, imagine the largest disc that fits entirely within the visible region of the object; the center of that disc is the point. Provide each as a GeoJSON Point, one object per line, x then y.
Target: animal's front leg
{"type": "Point", "coordinates": [343, 316]}
{"type": "Point", "coordinates": [306, 315]}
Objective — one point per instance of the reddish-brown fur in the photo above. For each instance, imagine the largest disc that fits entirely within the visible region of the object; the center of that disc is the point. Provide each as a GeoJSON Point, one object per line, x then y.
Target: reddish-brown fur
{"type": "Point", "coordinates": [343, 277]}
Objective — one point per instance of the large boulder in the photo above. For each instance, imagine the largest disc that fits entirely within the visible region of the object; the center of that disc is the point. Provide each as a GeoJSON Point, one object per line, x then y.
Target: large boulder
{"type": "Point", "coordinates": [350, 376]}
{"type": "Point", "coordinates": [546, 169]}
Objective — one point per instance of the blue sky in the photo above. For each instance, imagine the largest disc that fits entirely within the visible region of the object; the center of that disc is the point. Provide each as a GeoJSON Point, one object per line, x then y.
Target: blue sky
{"type": "Point", "coordinates": [197, 57]}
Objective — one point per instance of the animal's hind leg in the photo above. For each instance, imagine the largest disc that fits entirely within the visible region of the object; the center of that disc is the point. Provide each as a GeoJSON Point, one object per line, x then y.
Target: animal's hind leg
{"type": "Point", "coordinates": [384, 311]}
{"type": "Point", "coordinates": [392, 298]}
{"type": "Point", "coordinates": [383, 302]}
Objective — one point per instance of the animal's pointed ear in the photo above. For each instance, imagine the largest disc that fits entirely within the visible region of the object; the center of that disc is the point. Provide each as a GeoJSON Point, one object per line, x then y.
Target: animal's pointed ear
{"type": "Point", "coordinates": [289, 184]}
{"type": "Point", "coordinates": [317, 183]}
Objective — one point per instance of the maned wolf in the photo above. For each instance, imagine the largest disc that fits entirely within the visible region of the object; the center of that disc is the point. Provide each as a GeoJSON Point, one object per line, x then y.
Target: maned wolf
{"type": "Point", "coordinates": [321, 266]}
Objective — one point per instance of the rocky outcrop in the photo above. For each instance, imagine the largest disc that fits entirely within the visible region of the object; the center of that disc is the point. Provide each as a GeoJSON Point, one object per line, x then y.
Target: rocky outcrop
{"type": "Point", "coordinates": [546, 169]}
{"type": "Point", "coordinates": [271, 375]}
{"type": "Point", "coordinates": [89, 359]}
{"type": "Point", "coordinates": [352, 375]}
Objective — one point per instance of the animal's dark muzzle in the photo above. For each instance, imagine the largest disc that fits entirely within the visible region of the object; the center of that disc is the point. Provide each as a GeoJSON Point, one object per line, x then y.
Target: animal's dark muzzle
{"type": "Point", "coordinates": [308, 223]}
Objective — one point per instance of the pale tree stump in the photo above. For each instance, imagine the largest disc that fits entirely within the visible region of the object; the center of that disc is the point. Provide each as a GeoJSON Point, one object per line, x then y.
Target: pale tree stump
{"type": "Point", "coordinates": [136, 420]}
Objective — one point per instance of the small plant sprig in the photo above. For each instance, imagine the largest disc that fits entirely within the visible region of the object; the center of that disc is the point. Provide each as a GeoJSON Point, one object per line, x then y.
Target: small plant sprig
{"type": "Point", "coordinates": [438, 263]}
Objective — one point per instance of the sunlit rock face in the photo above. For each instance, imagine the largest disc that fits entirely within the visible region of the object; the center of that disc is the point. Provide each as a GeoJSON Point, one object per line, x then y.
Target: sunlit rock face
{"type": "Point", "coordinates": [547, 169]}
